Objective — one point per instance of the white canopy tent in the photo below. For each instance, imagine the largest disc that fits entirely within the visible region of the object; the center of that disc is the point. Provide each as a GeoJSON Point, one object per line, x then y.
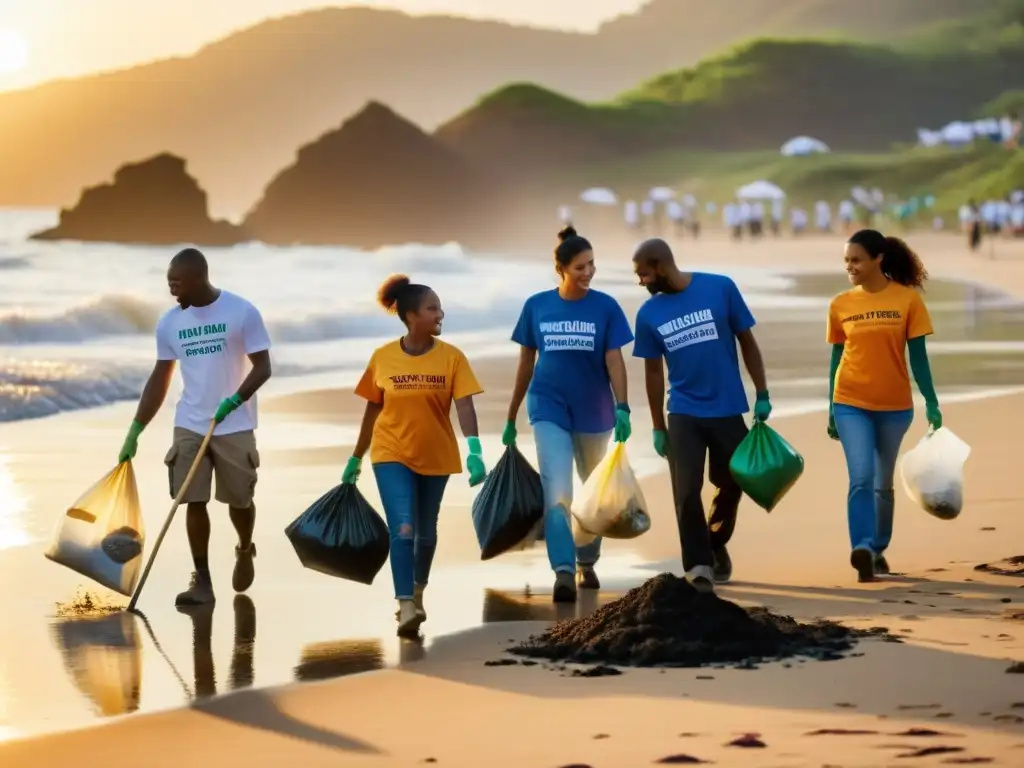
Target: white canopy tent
{"type": "Point", "coordinates": [599, 196]}
{"type": "Point", "coordinates": [661, 194]}
{"type": "Point", "coordinates": [802, 146]}
{"type": "Point", "coordinates": [760, 190]}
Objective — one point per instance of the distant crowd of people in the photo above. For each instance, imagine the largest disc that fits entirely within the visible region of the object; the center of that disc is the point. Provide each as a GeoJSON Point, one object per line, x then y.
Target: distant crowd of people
{"type": "Point", "coordinates": [993, 217]}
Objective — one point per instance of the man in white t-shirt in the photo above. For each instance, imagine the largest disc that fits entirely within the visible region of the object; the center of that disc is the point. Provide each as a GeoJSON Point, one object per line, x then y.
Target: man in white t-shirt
{"type": "Point", "coordinates": [215, 336]}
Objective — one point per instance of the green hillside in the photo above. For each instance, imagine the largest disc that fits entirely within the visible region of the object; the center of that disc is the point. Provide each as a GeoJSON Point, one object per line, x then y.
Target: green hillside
{"type": "Point", "coordinates": [858, 98]}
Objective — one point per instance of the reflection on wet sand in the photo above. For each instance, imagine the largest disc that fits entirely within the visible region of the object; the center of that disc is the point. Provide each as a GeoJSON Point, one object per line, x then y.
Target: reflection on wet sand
{"type": "Point", "coordinates": [505, 606]}
{"type": "Point", "coordinates": [103, 656]}
{"type": "Point", "coordinates": [321, 661]}
{"type": "Point", "coordinates": [242, 653]}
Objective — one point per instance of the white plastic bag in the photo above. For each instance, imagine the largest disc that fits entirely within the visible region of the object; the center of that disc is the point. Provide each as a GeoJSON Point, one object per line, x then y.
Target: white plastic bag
{"type": "Point", "coordinates": [933, 473]}
{"type": "Point", "coordinates": [101, 535]}
{"type": "Point", "coordinates": [612, 503]}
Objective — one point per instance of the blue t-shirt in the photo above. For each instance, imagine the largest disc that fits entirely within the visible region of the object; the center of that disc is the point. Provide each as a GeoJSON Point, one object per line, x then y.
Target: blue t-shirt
{"type": "Point", "coordinates": [570, 386]}
{"type": "Point", "coordinates": [695, 330]}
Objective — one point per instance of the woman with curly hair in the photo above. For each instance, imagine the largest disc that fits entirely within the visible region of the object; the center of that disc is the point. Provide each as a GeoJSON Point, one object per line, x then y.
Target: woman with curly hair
{"type": "Point", "coordinates": [409, 386]}
{"type": "Point", "coordinates": [871, 327]}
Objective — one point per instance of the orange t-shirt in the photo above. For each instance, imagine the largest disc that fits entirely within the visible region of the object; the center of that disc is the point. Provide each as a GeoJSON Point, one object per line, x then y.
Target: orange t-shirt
{"type": "Point", "coordinates": [414, 427]}
{"type": "Point", "coordinates": [875, 327]}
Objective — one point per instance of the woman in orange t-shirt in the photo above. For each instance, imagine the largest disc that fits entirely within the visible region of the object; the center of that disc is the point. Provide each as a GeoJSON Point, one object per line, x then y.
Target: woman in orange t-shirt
{"type": "Point", "coordinates": [871, 327]}
{"type": "Point", "coordinates": [409, 386]}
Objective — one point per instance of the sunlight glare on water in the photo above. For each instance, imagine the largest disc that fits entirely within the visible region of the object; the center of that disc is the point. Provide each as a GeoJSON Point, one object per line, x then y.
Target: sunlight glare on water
{"type": "Point", "coordinates": [12, 508]}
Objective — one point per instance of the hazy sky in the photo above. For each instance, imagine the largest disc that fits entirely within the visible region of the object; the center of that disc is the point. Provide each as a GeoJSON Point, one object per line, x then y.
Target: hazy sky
{"type": "Point", "coordinates": [71, 37]}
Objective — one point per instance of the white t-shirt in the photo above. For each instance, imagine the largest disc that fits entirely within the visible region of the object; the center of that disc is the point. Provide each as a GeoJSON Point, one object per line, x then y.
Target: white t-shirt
{"type": "Point", "coordinates": [211, 345]}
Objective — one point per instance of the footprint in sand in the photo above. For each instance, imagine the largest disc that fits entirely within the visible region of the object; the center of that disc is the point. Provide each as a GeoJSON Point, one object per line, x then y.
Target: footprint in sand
{"type": "Point", "coordinates": [968, 761]}
{"type": "Point", "coordinates": [923, 733]}
{"type": "Point", "coordinates": [680, 760]}
{"type": "Point", "coordinates": [748, 741]}
{"type": "Point", "coordinates": [601, 736]}
{"type": "Point", "coordinates": [846, 705]}
{"type": "Point", "coordinates": [906, 707]}
{"type": "Point", "coordinates": [930, 751]}
{"type": "Point", "coordinates": [841, 732]}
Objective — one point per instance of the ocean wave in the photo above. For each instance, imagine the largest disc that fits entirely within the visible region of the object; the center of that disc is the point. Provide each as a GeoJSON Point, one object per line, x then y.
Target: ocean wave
{"type": "Point", "coordinates": [13, 262]}
{"type": "Point", "coordinates": [114, 315]}
{"type": "Point", "coordinates": [32, 389]}
{"type": "Point", "coordinates": [119, 315]}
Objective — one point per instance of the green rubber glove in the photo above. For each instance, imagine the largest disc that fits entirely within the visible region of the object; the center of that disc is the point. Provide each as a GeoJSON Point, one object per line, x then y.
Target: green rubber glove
{"type": "Point", "coordinates": [475, 462]}
{"type": "Point", "coordinates": [508, 437]}
{"type": "Point", "coordinates": [933, 414]}
{"type": "Point", "coordinates": [832, 431]}
{"type": "Point", "coordinates": [661, 443]}
{"type": "Point", "coordinates": [131, 443]}
{"type": "Point", "coordinates": [622, 427]}
{"type": "Point", "coordinates": [352, 470]}
{"type": "Point", "coordinates": [227, 406]}
{"type": "Point", "coordinates": [762, 406]}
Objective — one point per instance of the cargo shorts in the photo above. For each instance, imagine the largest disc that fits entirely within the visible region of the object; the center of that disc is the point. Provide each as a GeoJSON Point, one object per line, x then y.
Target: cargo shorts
{"type": "Point", "coordinates": [232, 459]}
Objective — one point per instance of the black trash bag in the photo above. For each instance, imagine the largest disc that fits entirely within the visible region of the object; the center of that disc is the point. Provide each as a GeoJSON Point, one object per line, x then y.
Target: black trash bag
{"type": "Point", "coordinates": [341, 535]}
{"type": "Point", "coordinates": [510, 505]}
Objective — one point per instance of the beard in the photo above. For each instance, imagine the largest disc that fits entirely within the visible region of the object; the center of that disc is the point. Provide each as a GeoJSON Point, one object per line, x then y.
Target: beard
{"type": "Point", "coordinates": [661, 285]}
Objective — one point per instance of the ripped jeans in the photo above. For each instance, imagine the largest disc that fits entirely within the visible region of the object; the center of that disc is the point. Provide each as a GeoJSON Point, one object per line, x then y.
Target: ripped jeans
{"type": "Point", "coordinates": [412, 504]}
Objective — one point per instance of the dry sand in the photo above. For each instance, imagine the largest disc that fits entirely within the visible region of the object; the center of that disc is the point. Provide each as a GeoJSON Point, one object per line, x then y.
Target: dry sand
{"type": "Point", "coordinates": [960, 628]}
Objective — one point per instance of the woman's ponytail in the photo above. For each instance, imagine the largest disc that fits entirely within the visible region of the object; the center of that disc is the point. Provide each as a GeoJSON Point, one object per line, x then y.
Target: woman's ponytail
{"type": "Point", "coordinates": [901, 265]}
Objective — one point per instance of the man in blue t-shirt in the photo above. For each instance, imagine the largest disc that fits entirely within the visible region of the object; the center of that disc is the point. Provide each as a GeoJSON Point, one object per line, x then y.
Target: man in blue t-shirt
{"type": "Point", "coordinates": [693, 321]}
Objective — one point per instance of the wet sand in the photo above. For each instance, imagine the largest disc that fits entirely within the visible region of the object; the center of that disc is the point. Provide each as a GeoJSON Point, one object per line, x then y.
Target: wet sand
{"type": "Point", "coordinates": [959, 625]}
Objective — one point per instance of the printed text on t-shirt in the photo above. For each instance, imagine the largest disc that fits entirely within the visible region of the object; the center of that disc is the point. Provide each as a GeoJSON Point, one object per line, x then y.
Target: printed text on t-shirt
{"type": "Point", "coordinates": [692, 328]}
{"type": "Point", "coordinates": [203, 339]}
{"type": "Point", "coordinates": [568, 335]}
{"type": "Point", "coordinates": [419, 381]}
{"type": "Point", "coordinates": [876, 317]}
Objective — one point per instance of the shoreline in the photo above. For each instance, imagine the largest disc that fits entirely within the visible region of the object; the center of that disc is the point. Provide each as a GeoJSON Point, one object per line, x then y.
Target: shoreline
{"type": "Point", "coordinates": [792, 560]}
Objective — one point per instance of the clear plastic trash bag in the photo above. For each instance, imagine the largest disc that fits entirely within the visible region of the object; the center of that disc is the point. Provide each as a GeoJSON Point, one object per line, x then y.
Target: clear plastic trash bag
{"type": "Point", "coordinates": [102, 535]}
{"type": "Point", "coordinates": [103, 656]}
{"type": "Point", "coordinates": [612, 503]}
{"type": "Point", "coordinates": [933, 473]}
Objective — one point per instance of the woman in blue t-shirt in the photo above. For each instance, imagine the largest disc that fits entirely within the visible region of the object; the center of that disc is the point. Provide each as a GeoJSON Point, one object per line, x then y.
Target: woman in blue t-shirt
{"type": "Point", "coordinates": [570, 366]}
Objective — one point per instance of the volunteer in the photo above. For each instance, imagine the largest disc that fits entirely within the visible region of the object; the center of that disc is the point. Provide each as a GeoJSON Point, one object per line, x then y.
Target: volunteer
{"type": "Point", "coordinates": [214, 335]}
{"type": "Point", "coordinates": [870, 327]}
{"type": "Point", "coordinates": [694, 320]}
{"type": "Point", "coordinates": [573, 378]}
{"type": "Point", "coordinates": [409, 386]}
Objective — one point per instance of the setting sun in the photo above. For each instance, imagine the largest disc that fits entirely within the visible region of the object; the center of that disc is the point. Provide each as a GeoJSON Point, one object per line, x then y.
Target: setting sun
{"type": "Point", "coordinates": [13, 51]}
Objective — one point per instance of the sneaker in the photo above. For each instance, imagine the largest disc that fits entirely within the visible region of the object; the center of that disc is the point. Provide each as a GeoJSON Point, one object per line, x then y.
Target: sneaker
{"type": "Point", "coordinates": [586, 578]}
{"type": "Point", "coordinates": [882, 565]}
{"type": "Point", "coordinates": [864, 562]}
{"type": "Point", "coordinates": [722, 565]}
{"type": "Point", "coordinates": [244, 571]}
{"type": "Point", "coordinates": [702, 577]}
{"type": "Point", "coordinates": [199, 592]}
{"type": "Point", "coordinates": [417, 599]}
{"type": "Point", "coordinates": [409, 619]}
{"type": "Point", "coordinates": [565, 588]}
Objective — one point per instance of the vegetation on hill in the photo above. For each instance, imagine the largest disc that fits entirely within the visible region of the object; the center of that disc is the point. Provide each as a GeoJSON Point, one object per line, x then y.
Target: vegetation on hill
{"type": "Point", "coordinates": [857, 97]}
{"type": "Point", "coordinates": [238, 108]}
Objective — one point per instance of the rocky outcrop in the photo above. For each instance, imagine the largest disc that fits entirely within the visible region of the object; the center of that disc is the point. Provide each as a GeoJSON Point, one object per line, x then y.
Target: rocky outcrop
{"type": "Point", "coordinates": [154, 202]}
{"type": "Point", "coordinates": [376, 180]}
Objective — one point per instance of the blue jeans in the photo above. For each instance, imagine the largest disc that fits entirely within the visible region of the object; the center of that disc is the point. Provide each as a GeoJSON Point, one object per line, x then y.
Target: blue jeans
{"type": "Point", "coordinates": [412, 503]}
{"type": "Point", "coordinates": [557, 449]}
{"type": "Point", "coordinates": [871, 441]}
